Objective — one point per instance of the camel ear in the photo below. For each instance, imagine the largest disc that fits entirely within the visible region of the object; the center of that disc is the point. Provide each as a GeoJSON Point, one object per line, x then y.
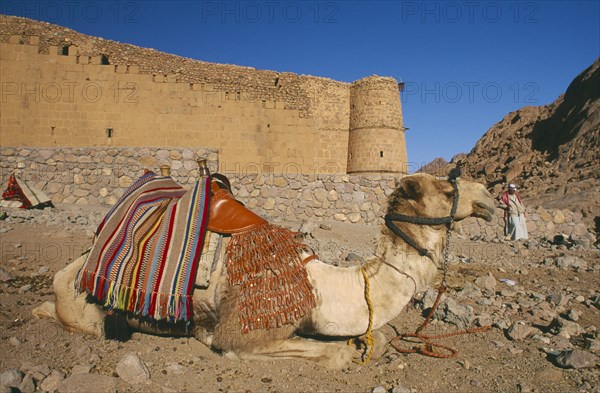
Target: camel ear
{"type": "Point", "coordinates": [410, 189]}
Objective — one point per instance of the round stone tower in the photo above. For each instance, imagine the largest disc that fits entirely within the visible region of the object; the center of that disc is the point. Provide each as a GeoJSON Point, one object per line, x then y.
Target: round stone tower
{"type": "Point", "coordinates": [376, 142]}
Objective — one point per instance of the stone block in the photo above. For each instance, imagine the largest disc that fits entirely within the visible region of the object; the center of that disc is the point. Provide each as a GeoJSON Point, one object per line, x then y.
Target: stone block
{"type": "Point", "coordinates": [34, 40]}
{"type": "Point", "coordinates": [134, 69]}
{"type": "Point", "coordinates": [15, 39]}
{"type": "Point", "coordinates": [73, 50]}
{"type": "Point", "coordinates": [66, 59]}
{"type": "Point", "coordinates": [83, 60]}
{"type": "Point", "coordinates": [158, 78]}
{"type": "Point", "coordinates": [121, 68]}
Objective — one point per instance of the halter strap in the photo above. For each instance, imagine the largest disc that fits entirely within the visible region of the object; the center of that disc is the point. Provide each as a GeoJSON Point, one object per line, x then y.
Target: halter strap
{"type": "Point", "coordinates": [391, 217]}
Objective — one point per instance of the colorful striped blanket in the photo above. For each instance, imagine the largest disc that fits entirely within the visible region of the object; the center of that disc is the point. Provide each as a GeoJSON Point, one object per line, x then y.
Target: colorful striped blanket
{"type": "Point", "coordinates": [146, 252]}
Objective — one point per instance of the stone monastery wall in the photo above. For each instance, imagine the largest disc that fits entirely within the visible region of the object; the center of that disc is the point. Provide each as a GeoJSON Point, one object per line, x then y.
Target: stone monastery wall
{"type": "Point", "coordinates": [63, 88]}
{"type": "Point", "coordinates": [92, 176]}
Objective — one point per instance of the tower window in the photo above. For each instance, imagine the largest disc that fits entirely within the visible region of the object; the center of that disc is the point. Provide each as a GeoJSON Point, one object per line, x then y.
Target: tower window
{"type": "Point", "coordinates": [381, 154]}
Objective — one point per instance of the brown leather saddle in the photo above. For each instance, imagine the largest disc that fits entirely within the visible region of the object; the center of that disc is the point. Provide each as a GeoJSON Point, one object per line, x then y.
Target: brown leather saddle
{"type": "Point", "coordinates": [227, 215]}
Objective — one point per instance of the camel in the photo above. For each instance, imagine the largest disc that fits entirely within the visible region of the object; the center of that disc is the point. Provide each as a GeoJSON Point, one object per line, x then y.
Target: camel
{"type": "Point", "coordinates": [396, 271]}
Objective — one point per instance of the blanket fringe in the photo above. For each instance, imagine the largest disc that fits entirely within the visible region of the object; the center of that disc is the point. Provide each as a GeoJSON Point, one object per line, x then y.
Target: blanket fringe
{"type": "Point", "coordinates": [274, 285]}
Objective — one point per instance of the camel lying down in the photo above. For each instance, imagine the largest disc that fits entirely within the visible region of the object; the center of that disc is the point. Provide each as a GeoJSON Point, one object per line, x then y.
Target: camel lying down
{"type": "Point", "coordinates": [396, 271]}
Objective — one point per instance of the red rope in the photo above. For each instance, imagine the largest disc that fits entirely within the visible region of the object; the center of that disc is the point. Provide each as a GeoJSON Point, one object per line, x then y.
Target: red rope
{"type": "Point", "coordinates": [423, 342]}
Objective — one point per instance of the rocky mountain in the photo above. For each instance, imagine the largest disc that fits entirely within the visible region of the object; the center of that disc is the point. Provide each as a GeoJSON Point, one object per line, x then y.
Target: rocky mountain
{"type": "Point", "coordinates": [551, 152]}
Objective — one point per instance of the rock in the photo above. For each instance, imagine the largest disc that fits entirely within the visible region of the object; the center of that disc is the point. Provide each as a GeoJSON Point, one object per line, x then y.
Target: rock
{"type": "Point", "coordinates": [308, 227]}
{"type": "Point", "coordinates": [574, 314]}
{"type": "Point", "coordinates": [400, 389]}
{"type": "Point", "coordinates": [566, 261]}
{"type": "Point", "coordinates": [5, 276]}
{"type": "Point", "coordinates": [576, 358]}
{"type": "Point", "coordinates": [429, 297]}
{"type": "Point", "coordinates": [325, 226]}
{"type": "Point", "coordinates": [379, 389]}
{"type": "Point", "coordinates": [40, 372]}
{"type": "Point", "coordinates": [592, 344]}
{"type": "Point", "coordinates": [340, 217]}
{"type": "Point", "coordinates": [85, 382]}
{"type": "Point", "coordinates": [14, 341]}
{"type": "Point", "coordinates": [519, 331]}
{"type": "Point", "coordinates": [559, 299]}
{"type": "Point", "coordinates": [132, 370]}
{"type": "Point", "coordinates": [457, 314]}
{"type": "Point", "coordinates": [84, 352]}
{"type": "Point", "coordinates": [487, 282]}
{"type": "Point", "coordinates": [354, 217]}
{"type": "Point", "coordinates": [11, 378]}
{"type": "Point", "coordinates": [82, 369]}
{"type": "Point", "coordinates": [352, 257]}
{"type": "Point", "coordinates": [43, 270]}
{"type": "Point", "coordinates": [561, 326]}
{"type": "Point", "coordinates": [27, 384]}
{"type": "Point", "coordinates": [470, 291]}
{"type": "Point", "coordinates": [50, 383]}
{"type": "Point", "coordinates": [176, 369]}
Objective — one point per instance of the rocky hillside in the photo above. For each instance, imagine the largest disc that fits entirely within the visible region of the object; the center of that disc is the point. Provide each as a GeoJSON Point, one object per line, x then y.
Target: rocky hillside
{"type": "Point", "coordinates": [551, 152]}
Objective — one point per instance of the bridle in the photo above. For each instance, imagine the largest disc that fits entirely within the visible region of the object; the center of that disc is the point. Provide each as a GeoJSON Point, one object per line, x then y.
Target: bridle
{"type": "Point", "coordinates": [391, 217]}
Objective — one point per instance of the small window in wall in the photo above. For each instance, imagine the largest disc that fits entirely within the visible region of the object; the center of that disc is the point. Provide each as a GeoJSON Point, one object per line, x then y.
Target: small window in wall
{"type": "Point", "coordinates": [381, 154]}
{"type": "Point", "coordinates": [65, 50]}
{"type": "Point", "coordinates": [104, 60]}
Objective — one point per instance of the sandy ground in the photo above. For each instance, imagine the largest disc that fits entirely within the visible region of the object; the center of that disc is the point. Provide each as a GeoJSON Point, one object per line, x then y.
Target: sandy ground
{"type": "Point", "coordinates": [487, 362]}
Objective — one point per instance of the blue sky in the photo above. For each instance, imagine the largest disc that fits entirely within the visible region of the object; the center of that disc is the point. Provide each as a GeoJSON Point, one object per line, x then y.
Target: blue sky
{"type": "Point", "coordinates": [466, 64]}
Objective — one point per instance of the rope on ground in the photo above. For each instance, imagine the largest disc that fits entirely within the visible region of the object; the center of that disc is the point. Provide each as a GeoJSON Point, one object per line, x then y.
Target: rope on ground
{"type": "Point", "coordinates": [423, 342]}
{"type": "Point", "coordinates": [366, 338]}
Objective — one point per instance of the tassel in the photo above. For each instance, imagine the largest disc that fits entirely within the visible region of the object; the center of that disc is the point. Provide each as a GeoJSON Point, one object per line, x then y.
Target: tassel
{"type": "Point", "coordinates": [274, 286]}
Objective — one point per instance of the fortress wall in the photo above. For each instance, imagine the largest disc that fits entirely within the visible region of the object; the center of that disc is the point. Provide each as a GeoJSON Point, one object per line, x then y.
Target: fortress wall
{"type": "Point", "coordinates": [261, 120]}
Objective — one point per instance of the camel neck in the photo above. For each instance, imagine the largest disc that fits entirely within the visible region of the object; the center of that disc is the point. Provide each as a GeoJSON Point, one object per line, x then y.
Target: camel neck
{"type": "Point", "coordinates": [404, 259]}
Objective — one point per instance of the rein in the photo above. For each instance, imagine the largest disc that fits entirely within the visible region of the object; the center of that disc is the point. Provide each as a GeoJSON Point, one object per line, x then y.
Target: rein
{"type": "Point", "coordinates": [427, 347]}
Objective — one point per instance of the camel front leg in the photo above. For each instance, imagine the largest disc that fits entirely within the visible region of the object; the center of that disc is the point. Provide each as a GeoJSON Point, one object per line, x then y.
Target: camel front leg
{"type": "Point", "coordinates": [69, 308]}
{"type": "Point", "coordinates": [333, 355]}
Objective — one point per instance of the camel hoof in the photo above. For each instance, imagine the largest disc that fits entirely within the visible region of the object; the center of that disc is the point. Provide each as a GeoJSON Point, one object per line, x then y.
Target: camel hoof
{"type": "Point", "coordinates": [231, 355]}
{"type": "Point", "coordinates": [380, 345]}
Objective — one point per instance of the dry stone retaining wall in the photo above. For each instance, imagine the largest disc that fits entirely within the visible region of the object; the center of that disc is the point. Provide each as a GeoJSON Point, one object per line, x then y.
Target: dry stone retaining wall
{"type": "Point", "coordinates": [89, 176]}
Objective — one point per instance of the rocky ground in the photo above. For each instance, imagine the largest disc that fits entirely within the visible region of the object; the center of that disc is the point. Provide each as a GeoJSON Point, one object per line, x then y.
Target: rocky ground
{"type": "Point", "coordinates": [542, 300]}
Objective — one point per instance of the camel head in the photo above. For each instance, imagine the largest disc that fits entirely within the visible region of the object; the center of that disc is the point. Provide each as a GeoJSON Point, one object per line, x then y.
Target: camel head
{"type": "Point", "coordinates": [424, 195]}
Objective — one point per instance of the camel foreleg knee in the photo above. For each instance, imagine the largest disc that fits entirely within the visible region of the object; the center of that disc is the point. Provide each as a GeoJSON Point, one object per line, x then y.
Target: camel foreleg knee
{"type": "Point", "coordinates": [45, 310]}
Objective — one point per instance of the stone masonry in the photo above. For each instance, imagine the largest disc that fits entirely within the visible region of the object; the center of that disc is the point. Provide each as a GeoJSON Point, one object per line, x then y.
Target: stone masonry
{"type": "Point", "coordinates": [63, 88]}
{"type": "Point", "coordinates": [98, 176]}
